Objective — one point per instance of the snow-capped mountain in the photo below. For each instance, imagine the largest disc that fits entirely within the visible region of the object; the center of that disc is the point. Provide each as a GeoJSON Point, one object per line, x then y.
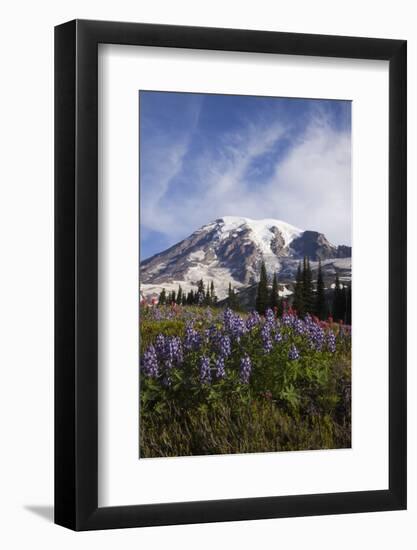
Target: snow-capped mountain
{"type": "Point", "coordinates": [231, 249]}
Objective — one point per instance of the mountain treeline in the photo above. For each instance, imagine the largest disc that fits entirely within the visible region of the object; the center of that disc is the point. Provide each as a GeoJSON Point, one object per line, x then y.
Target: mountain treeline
{"type": "Point", "coordinates": [308, 297]}
{"type": "Point", "coordinates": [266, 298]}
{"type": "Point", "coordinates": [203, 296]}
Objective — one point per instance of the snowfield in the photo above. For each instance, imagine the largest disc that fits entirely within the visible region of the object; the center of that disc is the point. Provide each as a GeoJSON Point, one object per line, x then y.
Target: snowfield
{"type": "Point", "coordinates": [229, 250]}
{"type": "Point", "coordinates": [261, 230]}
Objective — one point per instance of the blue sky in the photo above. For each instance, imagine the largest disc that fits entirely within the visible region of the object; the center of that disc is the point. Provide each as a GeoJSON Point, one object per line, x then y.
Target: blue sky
{"type": "Point", "coordinates": [203, 156]}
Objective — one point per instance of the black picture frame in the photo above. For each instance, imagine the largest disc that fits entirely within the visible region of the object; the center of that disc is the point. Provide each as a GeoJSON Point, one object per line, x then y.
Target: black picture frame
{"type": "Point", "coordinates": [76, 272]}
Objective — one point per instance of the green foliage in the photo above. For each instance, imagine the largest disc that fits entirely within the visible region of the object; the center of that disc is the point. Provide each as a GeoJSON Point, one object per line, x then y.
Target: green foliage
{"type": "Point", "coordinates": [149, 330]}
{"type": "Point", "coordinates": [298, 292]}
{"type": "Point", "coordinates": [262, 292]}
{"type": "Point", "coordinates": [304, 298]}
{"type": "Point", "coordinates": [340, 302]}
{"type": "Point", "coordinates": [288, 405]}
{"type": "Point", "coordinates": [252, 423]}
{"type": "Point", "coordinates": [200, 296]}
{"type": "Point", "coordinates": [203, 296]}
{"type": "Point", "coordinates": [162, 298]}
{"type": "Point", "coordinates": [320, 301]}
{"type": "Point", "coordinates": [232, 299]}
{"type": "Point", "coordinates": [274, 296]}
{"type": "Point", "coordinates": [212, 295]}
{"type": "Point", "coordinates": [348, 319]}
{"type": "Point", "coordinates": [179, 295]}
{"type": "Point", "coordinates": [307, 289]}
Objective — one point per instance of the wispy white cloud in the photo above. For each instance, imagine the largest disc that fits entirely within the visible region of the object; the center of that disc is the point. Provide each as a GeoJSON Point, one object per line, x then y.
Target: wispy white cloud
{"type": "Point", "coordinates": [161, 162]}
{"type": "Point", "coordinates": [309, 186]}
{"type": "Point", "coordinates": [166, 162]}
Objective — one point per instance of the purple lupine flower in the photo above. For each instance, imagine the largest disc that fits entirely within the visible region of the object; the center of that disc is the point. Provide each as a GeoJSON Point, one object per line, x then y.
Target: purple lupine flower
{"type": "Point", "coordinates": [225, 348]}
{"type": "Point", "coordinates": [239, 328]}
{"type": "Point", "coordinates": [160, 344]}
{"type": "Point", "coordinates": [168, 364]}
{"type": "Point", "coordinates": [175, 350]}
{"type": "Point", "coordinates": [233, 324]}
{"type": "Point", "coordinates": [298, 326]}
{"type": "Point", "coordinates": [205, 372]}
{"type": "Point", "coordinates": [220, 368]}
{"type": "Point", "coordinates": [288, 319]}
{"type": "Point", "coordinates": [207, 335]}
{"type": "Point", "coordinates": [213, 334]}
{"type": "Point", "coordinates": [293, 354]}
{"type": "Point", "coordinates": [308, 320]}
{"type": "Point", "coordinates": [169, 350]}
{"type": "Point", "coordinates": [228, 317]}
{"type": "Point", "coordinates": [192, 338]}
{"type": "Point", "coordinates": [253, 320]}
{"type": "Point", "coordinates": [315, 335]}
{"type": "Point", "coordinates": [331, 341]}
{"type": "Point", "coordinates": [318, 339]}
{"type": "Point", "coordinates": [245, 369]}
{"type": "Point", "coordinates": [270, 316]}
{"type": "Point", "coordinates": [266, 338]}
{"type": "Point", "coordinates": [277, 336]}
{"type": "Point", "coordinates": [150, 365]}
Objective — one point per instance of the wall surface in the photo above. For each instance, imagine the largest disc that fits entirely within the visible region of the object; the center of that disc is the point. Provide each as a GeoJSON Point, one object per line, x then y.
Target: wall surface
{"type": "Point", "coordinates": [26, 274]}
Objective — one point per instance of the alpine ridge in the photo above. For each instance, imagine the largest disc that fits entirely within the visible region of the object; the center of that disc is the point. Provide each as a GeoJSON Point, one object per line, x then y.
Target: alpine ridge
{"type": "Point", "coordinates": [231, 249]}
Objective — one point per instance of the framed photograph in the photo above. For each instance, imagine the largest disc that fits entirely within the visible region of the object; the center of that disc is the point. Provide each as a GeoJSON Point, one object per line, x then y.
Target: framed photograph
{"type": "Point", "coordinates": [230, 245]}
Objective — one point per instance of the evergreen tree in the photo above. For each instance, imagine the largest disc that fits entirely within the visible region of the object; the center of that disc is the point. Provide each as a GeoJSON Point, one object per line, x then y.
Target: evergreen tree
{"type": "Point", "coordinates": [343, 303]}
{"type": "Point", "coordinates": [184, 299]}
{"type": "Point", "coordinates": [308, 298]}
{"type": "Point", "coordinates": [231, 297]}
{"type": "Point", "coordinates": [320, 306]}
{"type": "Point", "coordinates": [162, 297]}
{"type": "Point", "coordinates": [336, 299]}
{"type": "Point", "coordinates": [348, 319]}
{"type": "Point", "coordinates": [190, 297]}
{"type": "Point", "coordinates": [207, 297]}
{"type": "Point", "coordinates": [213, 296]}
{"type": "Point", "coordinates": [173, 297]}
{"type": "Point", "coordinates": [179, 295]}
{"type": "Point", "coordinates": [236, 302]}
{"type": "Point", "coordinates": [298, 303]}
{"type": "Point", "coordinates": [201, 295]}
{"type": "Point", "coordinates": [274, 297]}
{"type": "Point", "coordinates": [339, 301]}
{"type": "Point", "coordinates": [262, 293]}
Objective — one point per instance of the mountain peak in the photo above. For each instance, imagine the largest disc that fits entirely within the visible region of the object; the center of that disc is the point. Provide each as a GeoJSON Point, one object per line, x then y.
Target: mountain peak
{"type": "Point", "coordinates": [261, 229]}
{"type": "Point", "coordinates": [231, 249]}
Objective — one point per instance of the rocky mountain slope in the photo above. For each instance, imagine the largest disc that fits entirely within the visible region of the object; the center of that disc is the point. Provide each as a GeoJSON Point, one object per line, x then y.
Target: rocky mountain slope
{"type": "Point", "coordinates": [231, 249]}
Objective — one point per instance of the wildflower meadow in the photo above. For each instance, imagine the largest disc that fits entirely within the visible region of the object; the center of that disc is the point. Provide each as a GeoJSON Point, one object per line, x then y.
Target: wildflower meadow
{"type": "Point", "coordinates": [216, 381]}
